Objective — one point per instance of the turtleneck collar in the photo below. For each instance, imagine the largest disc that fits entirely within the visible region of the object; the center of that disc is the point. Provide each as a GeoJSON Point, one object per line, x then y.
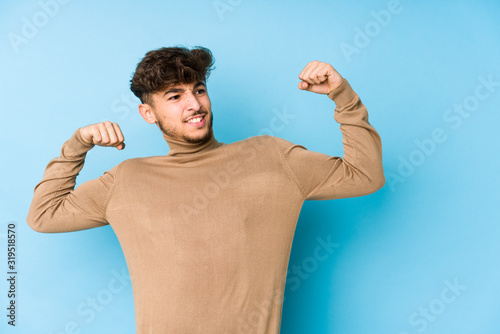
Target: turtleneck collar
{"type": "Point", "coordinates": [182, 148]}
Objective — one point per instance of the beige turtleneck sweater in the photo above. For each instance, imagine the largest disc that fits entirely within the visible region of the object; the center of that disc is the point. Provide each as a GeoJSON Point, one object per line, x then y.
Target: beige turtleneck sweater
{"type": "Point", "coordinates": [207, 229]}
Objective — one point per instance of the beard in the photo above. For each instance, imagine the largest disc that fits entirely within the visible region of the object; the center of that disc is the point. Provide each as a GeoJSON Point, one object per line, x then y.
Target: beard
{"type": "Point", "coordinates": [190, 139]}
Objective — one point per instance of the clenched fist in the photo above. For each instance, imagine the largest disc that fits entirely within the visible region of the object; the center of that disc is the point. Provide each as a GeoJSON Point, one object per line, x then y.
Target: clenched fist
{"type": "Point", "coordinates": [103, 134]}
{"type": "Point", "coordinates": [319, 77]}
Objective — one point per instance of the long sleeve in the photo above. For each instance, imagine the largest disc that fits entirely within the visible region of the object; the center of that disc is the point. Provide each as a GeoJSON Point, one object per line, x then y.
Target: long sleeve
{"type": "Point", "coordinates": [57, 206]}
{"type": "Point", "coordinates": [359, 172]}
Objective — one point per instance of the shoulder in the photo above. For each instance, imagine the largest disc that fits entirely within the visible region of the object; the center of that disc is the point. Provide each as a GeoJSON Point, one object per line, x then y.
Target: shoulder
{"type": "Point", "coordinates": [262, 141]}
{"type": "Point", "coordinates": [136, 164]}
{"type": "Point", "coordinates": [280, 144]}
{"type": "Point", "coordinates": [261, 144]}
{"type": "Point", "coordinates": [266, 146]}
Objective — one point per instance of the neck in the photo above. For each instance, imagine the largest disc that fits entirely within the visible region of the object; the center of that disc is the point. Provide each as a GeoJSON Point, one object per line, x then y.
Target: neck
{"type": "Point", "coordinates": [180, 147]}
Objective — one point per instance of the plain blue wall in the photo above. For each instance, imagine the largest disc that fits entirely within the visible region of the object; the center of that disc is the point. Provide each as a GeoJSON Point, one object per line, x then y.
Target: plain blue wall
{"type": "Point", "coordinates": [435, 224]}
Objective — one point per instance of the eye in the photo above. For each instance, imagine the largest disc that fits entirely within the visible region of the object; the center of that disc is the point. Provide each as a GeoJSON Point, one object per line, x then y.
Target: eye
{"type": "Point", "coordinates": [175, 97]}
{"type": "Point", "coordinates": [201, 91]}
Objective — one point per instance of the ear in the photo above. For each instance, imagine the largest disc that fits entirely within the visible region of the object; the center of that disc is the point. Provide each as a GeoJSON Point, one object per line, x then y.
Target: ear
{"type": "Point", "coordinates": [146, 112]}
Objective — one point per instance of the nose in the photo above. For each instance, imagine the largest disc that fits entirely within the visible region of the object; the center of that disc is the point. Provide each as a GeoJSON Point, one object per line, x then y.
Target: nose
{"type": "Point", "coordinates": [192, 102]}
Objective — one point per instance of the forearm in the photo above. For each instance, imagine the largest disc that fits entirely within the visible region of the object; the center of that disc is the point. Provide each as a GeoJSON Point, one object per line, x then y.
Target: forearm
{"type": "Point", "coordinates": [361, 170]}
{"type": "Point", "coordinates": [48, 211]}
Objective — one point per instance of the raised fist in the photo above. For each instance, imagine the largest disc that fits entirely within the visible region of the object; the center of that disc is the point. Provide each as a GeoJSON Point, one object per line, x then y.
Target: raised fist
{"type": "Point", "coordinates": [319, 77]}
{"type": "Point", "coordinates": [103, 134]}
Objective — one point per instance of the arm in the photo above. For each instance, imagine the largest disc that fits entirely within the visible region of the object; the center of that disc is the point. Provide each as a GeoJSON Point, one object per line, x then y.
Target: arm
{"type": "Point", "coordinates": [57, 206]}
{"type": "Point", "coordinates": [359, 172]}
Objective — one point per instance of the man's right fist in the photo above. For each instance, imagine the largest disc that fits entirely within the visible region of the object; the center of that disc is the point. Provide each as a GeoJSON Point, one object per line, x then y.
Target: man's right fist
{"type": "Point", "coordinates": [103, 134]}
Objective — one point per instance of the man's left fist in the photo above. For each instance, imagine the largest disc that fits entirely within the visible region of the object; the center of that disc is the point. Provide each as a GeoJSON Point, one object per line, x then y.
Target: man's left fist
{"type": "Point", "coordinates": [319, 77]}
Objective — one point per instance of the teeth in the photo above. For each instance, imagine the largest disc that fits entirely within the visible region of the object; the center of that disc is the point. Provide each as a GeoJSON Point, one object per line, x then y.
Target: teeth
{"type": "Point", "coordinates": [195, 120]}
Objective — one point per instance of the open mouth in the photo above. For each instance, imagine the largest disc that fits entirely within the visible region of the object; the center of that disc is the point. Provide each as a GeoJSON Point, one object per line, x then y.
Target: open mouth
{"type": "Point", "coordinates": [197, 120]}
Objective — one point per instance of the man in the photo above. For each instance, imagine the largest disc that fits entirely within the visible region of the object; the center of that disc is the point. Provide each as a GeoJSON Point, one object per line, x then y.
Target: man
{"type": "Point", "coordinates": [206, 229]}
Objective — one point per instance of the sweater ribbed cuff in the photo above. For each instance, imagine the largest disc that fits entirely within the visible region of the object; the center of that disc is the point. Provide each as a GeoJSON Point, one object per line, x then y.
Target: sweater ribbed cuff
{"type": "Point", "coordinates": [75, 146]}
{"type": "Point", "coordinates": [343, 94]}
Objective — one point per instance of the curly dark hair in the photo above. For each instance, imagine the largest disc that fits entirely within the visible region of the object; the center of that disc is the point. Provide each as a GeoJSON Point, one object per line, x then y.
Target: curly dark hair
{"type": "Point", "coordinates": [164, 67]}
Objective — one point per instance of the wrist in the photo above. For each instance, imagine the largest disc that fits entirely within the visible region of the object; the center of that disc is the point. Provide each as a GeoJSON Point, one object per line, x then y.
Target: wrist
{"type": "Point", "coordinates": [336, 84]}
{"type": "Point", "coordinates": [343, 94]}
{"type": "Point", "coordinates": [81, 140]}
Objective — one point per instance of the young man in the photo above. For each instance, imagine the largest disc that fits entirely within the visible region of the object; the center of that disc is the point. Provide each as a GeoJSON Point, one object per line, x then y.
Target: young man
{"type": "Point", "coordinates": [206, 229]}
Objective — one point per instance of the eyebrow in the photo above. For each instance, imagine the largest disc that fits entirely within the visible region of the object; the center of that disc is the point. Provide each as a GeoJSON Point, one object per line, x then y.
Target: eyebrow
{"type": "Point", "coordinates": [180, 90]}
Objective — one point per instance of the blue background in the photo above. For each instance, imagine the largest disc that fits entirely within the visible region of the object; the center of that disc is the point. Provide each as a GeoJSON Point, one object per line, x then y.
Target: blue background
{"type": "Point", "coordinates": [434, 224]}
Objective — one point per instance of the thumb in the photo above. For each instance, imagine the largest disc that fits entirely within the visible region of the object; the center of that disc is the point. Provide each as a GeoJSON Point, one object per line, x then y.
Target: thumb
{"type": "Point", "coordinates": [121, 146]}
{"type": "Point", "coordinates": [303, 85]}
